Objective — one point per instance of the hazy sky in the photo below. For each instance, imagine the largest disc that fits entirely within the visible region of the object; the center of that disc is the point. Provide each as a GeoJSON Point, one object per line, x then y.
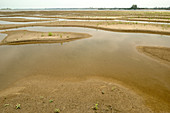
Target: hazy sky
{"type": "Point", "coordinates": [81, 3]}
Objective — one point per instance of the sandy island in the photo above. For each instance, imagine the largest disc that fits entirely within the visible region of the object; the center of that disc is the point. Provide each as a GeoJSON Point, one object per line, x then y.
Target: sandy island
{"type": "Point", "coordinates": [162, 54]}
{"type": "Point", "coordinates": [29, 37]}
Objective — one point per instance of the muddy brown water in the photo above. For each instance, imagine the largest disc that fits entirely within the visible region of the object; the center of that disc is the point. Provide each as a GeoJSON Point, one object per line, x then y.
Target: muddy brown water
{"type": "Point", "coordinates": [106, 54]}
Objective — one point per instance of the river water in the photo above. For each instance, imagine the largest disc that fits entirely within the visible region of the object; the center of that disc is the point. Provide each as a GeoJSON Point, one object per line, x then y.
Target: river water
{"type": "Point", "coordinates": [106, 54]}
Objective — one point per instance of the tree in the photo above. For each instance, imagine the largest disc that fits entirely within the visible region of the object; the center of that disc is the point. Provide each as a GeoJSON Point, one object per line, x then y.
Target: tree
{"type": "Point", "coordinates": [134, 7]}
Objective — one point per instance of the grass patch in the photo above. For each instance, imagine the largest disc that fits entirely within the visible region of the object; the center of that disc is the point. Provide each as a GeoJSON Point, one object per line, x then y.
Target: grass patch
{"type": "Point", "coordinates": [57, 111]}
{"type": "Point", "coordinates": [61, 36]}
{"type": "Point", "coordinates": [113, 88]}
{"type": "Point", "coordinates": [42, 35]}
{"type": "Point", "coordinates": [6, 105]}
{"type": "Point", "coordinates": [95, 107]}
{"type": "Point", "coordinates": [41, 97]}
{"type": "Point", "coordinates": [102, 92]}
{"type": "Point", "coordinates": [50, 101]}
{"type": "Point", "coordinates": [18, 106]}
{"type": "Point", "coordinates": [50, 34]}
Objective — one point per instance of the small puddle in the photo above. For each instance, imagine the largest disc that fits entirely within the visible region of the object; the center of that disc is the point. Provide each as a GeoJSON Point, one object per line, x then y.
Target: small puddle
{"type": "Point", "coordinates": [60, 19]}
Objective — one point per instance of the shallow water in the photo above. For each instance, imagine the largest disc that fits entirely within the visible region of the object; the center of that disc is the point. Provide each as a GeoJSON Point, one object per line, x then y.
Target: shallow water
{"type": "Point", "coordinates": [60, 19]}
{"type": "Point", "coordinates": [2, 36]}
{"type": "Point", "coordinates": [106, 54]}
{"type": "Point", "coordinates": [7, 22]}
{"type": "Point", "coordinates": [145, 22]}
{"type": "Point", "coordinates": [27, 18]}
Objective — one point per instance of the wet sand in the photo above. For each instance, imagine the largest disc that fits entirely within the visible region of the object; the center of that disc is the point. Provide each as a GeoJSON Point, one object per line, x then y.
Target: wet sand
{"type": "Point", "coordinates": [30, 37]}
{"type": "Point", "coordinates": [70, 95]}
{"type": "Point", "coordinates": [159, 53]}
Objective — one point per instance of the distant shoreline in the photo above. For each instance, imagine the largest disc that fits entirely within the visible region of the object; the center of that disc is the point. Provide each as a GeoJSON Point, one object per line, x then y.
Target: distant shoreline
{"type": "Point", "coordinates": [90, 9]}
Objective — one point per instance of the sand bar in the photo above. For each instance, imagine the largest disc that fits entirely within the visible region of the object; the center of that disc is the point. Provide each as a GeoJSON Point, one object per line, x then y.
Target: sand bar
{"type": "Point", "coordinates": [162, 54]}
{"type": "Point", "coordinates": [28, 37]}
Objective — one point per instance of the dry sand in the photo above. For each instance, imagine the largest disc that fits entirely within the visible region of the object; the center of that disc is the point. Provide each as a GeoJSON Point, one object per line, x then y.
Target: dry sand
{"type": "Point", "coordinates": [27, 37]}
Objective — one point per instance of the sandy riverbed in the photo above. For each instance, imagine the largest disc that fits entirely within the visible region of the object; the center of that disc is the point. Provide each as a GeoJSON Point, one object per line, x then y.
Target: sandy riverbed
{"type": "Point", "coordinates": [151, 16]}
{"type": "Point", "coordinates": [80, 95]}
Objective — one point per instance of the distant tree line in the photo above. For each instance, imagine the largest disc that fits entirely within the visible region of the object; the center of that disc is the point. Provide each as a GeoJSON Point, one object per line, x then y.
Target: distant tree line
{"type": "Point", "coordinates": [135, 7]}
{"type": "Point", "coordinates": [6, 9]}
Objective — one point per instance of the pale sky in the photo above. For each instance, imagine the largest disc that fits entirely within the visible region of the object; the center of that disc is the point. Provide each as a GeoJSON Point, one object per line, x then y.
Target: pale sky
{"type": "Point", "coordinates": [82, 3]}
